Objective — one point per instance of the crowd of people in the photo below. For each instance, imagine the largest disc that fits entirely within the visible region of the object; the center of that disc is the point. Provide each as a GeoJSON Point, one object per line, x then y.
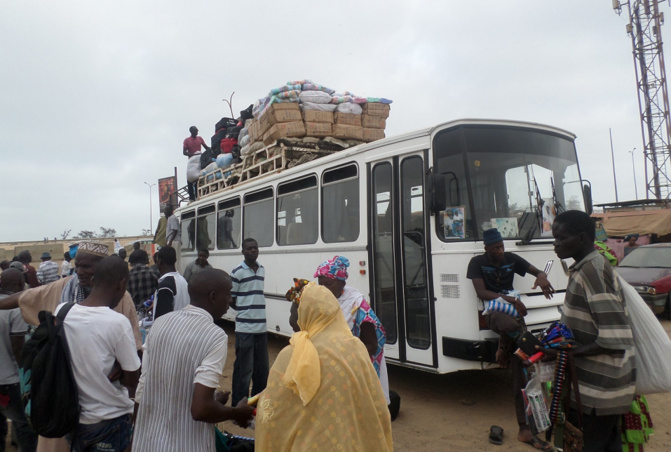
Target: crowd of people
{"type": "Point", "coordinates": [328, 388]}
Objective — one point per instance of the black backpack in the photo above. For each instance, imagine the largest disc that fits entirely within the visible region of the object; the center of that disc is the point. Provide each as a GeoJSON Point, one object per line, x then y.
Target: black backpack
{"type": "Point", "coordinates": [48, 386]}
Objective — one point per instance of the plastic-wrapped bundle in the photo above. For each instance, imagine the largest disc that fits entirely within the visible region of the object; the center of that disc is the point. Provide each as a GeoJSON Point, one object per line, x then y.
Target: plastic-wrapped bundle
{"type": "Point", "coordinates": [500, 305]}
{"type": "Point", "coordinates": [244, 141]}
{"type": "Point", "coordinates": [292, 94]}
{"type": "Point", "coordinates": [300, 82]}
{"type": "Point", "coordinates": [317, 97]}
{"type": "Point", "coordinates": [316, 87]}
{"type": "Point", "coordinates": [379, 100]}
{"type": "Point", "coordinates": [349, 107]}
{"type": "Point", "coordinates": [341, 98]}
{"type": "Point", "coordinates": [208, 169]}
{"type": "Point", "coordinates": [318, 107]}
{"type": "Point", "coordinates": [193, 168]}
{"type": "Point", "coordinates": [224, 160]}
{"type": "Point", "coordinates": [284, 88]}
{"type": "Point", "coordinates": [259, 106]}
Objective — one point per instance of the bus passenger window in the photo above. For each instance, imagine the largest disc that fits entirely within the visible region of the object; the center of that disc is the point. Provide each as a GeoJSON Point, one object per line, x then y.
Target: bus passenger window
{"type": "Point", "coordinates": [229, 225]}
{"type": "Point", "coordinates": [258, 217]}
{"type": "Point", "coordinates": [297, 212]}
{"type": "Point", "coordinates": [340, 204]}
{"type": "Point", "coordinates": [187, 229]}
{"type": "Point", "coordinates": [205, 228]}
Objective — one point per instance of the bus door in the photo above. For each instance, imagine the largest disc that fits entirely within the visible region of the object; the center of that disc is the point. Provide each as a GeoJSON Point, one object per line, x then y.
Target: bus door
{"type": "Point", "coordinates": [399, 277]}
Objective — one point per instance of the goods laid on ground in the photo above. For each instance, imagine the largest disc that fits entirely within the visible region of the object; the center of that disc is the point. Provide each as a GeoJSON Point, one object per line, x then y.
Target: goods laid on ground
{"type": "Point", "coordinates": [294, 123]}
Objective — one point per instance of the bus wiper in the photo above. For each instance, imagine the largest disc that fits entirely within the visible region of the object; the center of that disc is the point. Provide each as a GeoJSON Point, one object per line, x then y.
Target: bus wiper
{"type": "Point", "coordinates": [536, 223]}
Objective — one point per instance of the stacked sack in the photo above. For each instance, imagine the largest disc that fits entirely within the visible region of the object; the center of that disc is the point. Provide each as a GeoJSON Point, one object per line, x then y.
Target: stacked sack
{"type": "Point", "coordinates": [303, 108]}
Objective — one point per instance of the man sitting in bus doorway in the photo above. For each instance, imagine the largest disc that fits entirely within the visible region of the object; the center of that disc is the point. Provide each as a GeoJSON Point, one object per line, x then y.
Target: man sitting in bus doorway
{"type": "Point", "coordinates": [251, 336]}
{"type": "Point", "coordinates": [492, 274]}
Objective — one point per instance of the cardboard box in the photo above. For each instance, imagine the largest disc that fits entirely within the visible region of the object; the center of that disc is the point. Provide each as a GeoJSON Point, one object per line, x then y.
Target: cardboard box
{"type": "Point", "coordinates": [318, 129]}
{"type": "Point", "coordinates": [347, 119]}
{"type": "Point", "coordinates": [317, 116]}
{"type": "Point", "coordinates": [345, 131]}
{"type": "Point", "coordinates": [282, 112]}
{"type": "Point", "coordinates": [373, 122]}
{"type": "Point", "coordinates": [253, 131]}
{"type": "Point", "coordinates": [284, 130]}
{"type": "Point", "coordinates": [377, 109]}
{"type": "Point", "coordinates": [372, 134]}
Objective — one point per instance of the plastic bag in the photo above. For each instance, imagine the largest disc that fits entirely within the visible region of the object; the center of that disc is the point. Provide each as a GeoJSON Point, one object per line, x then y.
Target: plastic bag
{"type": "Point", "coordinates": [653, 346]}
{"type": "Point", "coordinates": [318, 107]}
{"type": "Point", "coordinates": [536, 406]}
{"type": "Point", "coordinates": [317, 97]}
{"type": "Point", "coordinates": [193, 169]}
{"type": "Point", "coordinates": [224, 160]}
{"type": "Point", "coordinates": [349, 107]}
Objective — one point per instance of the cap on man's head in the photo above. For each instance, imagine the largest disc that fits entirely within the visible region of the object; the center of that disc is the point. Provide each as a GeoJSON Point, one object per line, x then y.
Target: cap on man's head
{"type": "Point", "coordinates": [46, 255]}
{"type": "Point", "coordinates": [94, 248]}
{"type": "Point", "coordinates": [17, 265]}
{"type": "Point", "coordinates": [491, 236]}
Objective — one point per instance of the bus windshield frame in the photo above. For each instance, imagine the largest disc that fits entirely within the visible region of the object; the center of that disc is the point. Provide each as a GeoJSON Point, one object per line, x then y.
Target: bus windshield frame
{"type": "Point", "coordinates": [515, 179]}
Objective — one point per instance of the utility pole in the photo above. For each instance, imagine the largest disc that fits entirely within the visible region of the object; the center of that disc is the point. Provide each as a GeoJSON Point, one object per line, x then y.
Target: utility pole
{"type": "Point", "coordinates": [612, 158]}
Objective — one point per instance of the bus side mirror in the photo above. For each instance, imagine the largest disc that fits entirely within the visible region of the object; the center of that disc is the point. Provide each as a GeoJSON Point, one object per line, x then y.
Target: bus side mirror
{"type": "Point", "coordinates": [587, 192]}
{"type": "Point", "coordinates": [437, 199]}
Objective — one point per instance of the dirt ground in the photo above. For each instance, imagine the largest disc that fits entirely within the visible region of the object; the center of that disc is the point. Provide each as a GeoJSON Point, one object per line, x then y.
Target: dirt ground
{"type": "Point", "coordinates": [454, 411]}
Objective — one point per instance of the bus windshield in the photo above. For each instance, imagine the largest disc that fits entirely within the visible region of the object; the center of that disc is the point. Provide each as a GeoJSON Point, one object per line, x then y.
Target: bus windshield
{"type": "Point", "coordinates": [512, 179]}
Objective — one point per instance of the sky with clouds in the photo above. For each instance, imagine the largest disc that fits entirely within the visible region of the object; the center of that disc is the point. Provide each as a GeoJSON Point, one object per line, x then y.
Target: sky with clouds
{"type": "Point", "coordinates": [98, 96]}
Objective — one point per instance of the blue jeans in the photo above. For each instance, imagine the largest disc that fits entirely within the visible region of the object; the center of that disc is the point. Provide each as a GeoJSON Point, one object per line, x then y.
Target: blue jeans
{"type": "Point", "coordinates": [112, 435]}
{"type": "Point", "coordinates": [251, 364]}
{"type": "Point", "coordinates": [13, 410]}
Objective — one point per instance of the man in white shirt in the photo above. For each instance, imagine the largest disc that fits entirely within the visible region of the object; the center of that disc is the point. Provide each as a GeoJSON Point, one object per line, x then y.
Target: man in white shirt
{"type": "Point", "coordinates": [105, 362]}
{"type": "Point", "coordinates": [183, 359]}
{"type": "Point", "coordinates": [66, 266]}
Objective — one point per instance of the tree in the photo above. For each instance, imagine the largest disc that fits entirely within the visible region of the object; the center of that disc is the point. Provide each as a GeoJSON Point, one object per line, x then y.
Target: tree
{"type": "Point", "coordinates": [65, 234]}
{"type": "Point", "coordinates": [107, 232]}
{"type": "Point", "coordinates": [86, 235]}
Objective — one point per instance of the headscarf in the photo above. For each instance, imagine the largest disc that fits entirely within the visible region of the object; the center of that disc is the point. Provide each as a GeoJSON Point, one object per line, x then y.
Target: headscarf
{"type": "Point", "coordinates": [335, 268]}
{"type": "Point", "coordinates": [318, 308]}
{"type": "Point", "coordinates": [294, 293]}
{"type": "Point", "coordinates": [322, 389]}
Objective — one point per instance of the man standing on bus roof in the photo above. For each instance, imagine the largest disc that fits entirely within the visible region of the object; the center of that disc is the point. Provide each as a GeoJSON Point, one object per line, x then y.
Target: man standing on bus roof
{"type": "Point", "coordinates": [492, 274]}
{"type": "Point", "coordinates": [251, 337]}
{"type": "Point", "coordinates": [191, 147]}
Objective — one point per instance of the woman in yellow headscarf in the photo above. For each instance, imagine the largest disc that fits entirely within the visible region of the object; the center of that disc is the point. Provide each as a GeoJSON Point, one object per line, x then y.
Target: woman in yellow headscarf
{"type": "Point", "coordinates": [323, 392]}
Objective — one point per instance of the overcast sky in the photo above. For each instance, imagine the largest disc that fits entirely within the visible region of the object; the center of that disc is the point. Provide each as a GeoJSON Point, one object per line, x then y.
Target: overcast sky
{"type": "Point", "coordinates": [97, 97]}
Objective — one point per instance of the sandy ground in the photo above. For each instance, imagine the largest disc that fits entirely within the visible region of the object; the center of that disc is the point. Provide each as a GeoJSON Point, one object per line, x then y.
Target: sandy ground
{"type": "Point", "coordinates": [454, 411]}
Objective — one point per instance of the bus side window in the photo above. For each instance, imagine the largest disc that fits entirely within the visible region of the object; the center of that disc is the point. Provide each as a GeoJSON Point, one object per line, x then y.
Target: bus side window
{"type": "Point", "coordinates": [297, 212]}
{"type": "Point", "coordinates": [340, 204]}
{"type": "Point", "coordinates": [187, 229]}
{"type": "Point", "coordinates": [258, 217]}
{"type": "Point", "coordinates": [205, 225]}
{"type": "Point", "coordinates": [229, 224]}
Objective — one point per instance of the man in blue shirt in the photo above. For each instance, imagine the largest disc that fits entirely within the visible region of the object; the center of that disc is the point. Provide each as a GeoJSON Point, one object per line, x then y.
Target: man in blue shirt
{"type": "Point", "coordinates": [251, 337]}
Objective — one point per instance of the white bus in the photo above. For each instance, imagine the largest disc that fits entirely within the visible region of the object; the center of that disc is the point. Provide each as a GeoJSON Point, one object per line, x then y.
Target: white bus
{"type": "Point", "coordinates": [408, 212]}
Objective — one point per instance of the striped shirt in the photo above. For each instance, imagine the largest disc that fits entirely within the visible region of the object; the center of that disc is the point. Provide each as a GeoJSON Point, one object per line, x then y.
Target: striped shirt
{"type": "Point", "coordinates": [183, 348]}
{"type": "Point", "coordinates": [249, 300]}
{"type": "Point", "coordinates": [595, 310]}
{"type": "Point", "coordinates": [47, 272]}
